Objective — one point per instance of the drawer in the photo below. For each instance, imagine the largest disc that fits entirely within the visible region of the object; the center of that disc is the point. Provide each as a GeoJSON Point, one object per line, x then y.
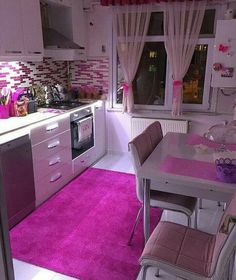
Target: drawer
{"type": "Point", "coordinates": [53, 182]}
{"type": "Point", "coordinates": [49, 129]}
{"type": "Point", "coordinates": [83, 161]}
{"type": "Point", "coordinates": [47, 165]}
{"type": "Point", "coordinates": [52, 146]}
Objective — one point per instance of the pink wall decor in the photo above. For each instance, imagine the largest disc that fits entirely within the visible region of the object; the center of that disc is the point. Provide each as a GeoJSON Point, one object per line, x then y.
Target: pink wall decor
{"type": "Point", "coordinates": [92, 73]}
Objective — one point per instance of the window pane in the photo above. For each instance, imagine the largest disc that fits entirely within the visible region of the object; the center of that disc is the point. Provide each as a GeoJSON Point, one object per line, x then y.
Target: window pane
{"type": "Point", "coordinates": [149, 82]}
{"type": "Point", "coordinates": [120, 81]}
{"type": "Point", "coordinates": [156, 24]}
{"type": "Point", "coordinates": [193, 84]}
{"type": "Point", "coordinates": [208, 22]}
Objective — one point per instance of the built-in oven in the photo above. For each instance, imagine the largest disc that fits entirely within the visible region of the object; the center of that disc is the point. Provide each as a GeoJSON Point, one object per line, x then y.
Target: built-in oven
{"type": "Point", "coordinates": [82, 131]}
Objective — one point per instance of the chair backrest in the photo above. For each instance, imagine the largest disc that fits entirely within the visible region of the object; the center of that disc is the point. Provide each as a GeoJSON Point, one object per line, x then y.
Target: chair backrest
{"type": "Point", "coordinates": [155, 133]}
{"type": "Point", "coordinates": [140, 148]}
{"type": "Point", "coordinates": [225, 240]}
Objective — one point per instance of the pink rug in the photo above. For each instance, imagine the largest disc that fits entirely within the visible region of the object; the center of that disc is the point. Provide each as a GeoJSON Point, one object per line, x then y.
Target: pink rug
{"type": "Point", "coordinates": [82, 231]}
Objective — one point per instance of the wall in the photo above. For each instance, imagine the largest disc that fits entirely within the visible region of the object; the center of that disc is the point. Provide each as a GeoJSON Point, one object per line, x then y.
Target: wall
{"type": "Point", "coordinates": [23, 74]}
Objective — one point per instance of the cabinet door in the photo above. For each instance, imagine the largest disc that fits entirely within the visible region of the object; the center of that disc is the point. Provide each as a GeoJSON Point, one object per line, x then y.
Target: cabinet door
{"type": "Point", "coordinates": [100, 130]}
{"type": "Point", "coordinates": [11, 33]}
{"type": "Point", "coordinates": [32, 29]}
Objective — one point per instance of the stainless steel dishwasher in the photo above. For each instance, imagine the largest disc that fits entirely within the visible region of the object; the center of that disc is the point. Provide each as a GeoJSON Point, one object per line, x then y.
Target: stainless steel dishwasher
{"type": "Point", "coordinates": [16, 166]}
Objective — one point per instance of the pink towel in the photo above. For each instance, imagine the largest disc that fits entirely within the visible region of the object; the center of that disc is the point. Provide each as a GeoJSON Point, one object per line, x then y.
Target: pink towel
{"type": "Point", "coordinates": [191, 168]}
{"type": "Point", "coordinates": [194, 139]}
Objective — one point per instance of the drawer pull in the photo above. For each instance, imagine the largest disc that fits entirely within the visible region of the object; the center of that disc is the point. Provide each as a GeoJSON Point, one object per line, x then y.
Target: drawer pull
{"type": "Point", "coordinates": [53, 144]}
{"type": "Point", "coordinates": [55, 177]}
{"type": "Point", "coordinates": [13, 52]}
{"type": "Point", "coordinates": [52, 127]}
{"type": "Point", "coordinates": [54, 161]}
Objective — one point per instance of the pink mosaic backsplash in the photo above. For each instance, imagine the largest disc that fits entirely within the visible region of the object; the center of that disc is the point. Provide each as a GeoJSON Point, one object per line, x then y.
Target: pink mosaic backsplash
{"type": "Point", "coordinates": [23, 74]}
{"type": "Point", "coordinates": [92, 73]}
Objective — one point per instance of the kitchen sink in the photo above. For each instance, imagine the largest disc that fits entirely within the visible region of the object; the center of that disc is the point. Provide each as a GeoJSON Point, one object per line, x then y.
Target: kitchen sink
{"type": "Point", "coordinates": [63, 105]}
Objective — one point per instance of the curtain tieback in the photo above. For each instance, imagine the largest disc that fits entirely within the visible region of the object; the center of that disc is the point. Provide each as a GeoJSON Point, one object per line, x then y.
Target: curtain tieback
{"type": "Point", "coordinates": [177, 83]}
{"type": "Point", "coordinates": [126, 89]}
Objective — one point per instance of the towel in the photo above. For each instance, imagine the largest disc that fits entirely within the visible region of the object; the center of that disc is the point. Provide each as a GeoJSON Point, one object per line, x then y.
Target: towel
{"type": "Point", "coordinates": [84, 128]}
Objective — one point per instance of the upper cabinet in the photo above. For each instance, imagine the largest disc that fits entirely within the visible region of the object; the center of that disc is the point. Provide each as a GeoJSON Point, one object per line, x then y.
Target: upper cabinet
{"type": "Point", "coordinates": [98, 30]}
{"type": "Point", "coordinates": [20, 32]}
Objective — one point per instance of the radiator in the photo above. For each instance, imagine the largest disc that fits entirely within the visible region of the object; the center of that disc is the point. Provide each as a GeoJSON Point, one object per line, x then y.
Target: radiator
{"type": "Point", "coordinates": [139, 124]}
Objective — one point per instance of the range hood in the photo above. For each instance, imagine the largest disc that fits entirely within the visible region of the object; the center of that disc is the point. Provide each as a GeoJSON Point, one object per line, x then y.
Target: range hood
{"type": "Point", "coordinates": [60, 47]}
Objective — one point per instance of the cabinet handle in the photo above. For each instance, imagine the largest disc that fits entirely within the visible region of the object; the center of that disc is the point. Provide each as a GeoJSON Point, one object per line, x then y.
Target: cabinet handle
{"type": "Point", "coordinates": [53, 144]}
{"type": "Point", "coordinates": [34, 52]}
{"type": "Point", "coordinates": [14, 52]}
{"type": "Point", "coordinates": [54, 161]}
{"type": "Point", "coordinates": [55, 177]}
{"type": "Point", "coordinates": [52, 127]}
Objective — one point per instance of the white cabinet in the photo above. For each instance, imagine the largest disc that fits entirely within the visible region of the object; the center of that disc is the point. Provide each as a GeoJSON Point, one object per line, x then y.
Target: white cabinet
{"type": "Point", "coordinates": [224, 59]}
{"type": "Point", "coordinates": [20, 32]}
{"type": "Point", "coordinates": [52, 159]}
{"type": "Point", "coordinates": [98, 31]}
{"type": "Point", "coordinates": [100, 130]}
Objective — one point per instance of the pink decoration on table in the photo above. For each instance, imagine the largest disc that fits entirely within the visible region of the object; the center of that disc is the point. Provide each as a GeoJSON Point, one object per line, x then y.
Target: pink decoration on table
{"type": "Point", "coordinates": [4, 111]}
{"type": "Point", "coordinates": [126, 89]}
{"type": "Point", "coordinates": [190, 168]}
{"type": "Point", "coordinates": [195, 139]}
{"type": "Point", "coordinates": [177, 98]}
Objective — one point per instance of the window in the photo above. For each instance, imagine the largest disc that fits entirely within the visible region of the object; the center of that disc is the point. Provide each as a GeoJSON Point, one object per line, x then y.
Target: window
{"type": "Point", "coordinates": [152, 86]}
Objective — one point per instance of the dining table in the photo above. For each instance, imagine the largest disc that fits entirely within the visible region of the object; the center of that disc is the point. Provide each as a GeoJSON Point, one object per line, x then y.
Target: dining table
{"type": "Point", "coordinates": [183, 164]}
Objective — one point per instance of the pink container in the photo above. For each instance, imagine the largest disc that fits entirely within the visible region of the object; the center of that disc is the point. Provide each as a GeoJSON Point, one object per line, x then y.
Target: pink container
{"type": "Point", "coordinates": [4, 111]}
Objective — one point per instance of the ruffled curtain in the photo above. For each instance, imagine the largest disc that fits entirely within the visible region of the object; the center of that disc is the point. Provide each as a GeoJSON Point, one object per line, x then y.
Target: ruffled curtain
{"type": "Point", "coordinates": [130, 24]}
{"type": "Point", "coordinates": [182, 24]}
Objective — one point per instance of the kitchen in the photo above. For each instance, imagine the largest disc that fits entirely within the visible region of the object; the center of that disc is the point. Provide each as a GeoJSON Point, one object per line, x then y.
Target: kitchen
{"type": "Point", "coordinates": [87, 72]}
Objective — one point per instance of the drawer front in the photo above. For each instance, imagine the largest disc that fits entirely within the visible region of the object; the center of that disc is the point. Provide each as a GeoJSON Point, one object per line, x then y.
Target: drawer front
{"type": "Point", "coordinates": [52, 146]}
{"type": "Point", "coordinates": [49, 129]}
{"type": "Point", "coordinates": [83, 161]}
{"type": "Point", "coordinates": [52, 183]}
{"type": "Point", "coordinates": [46, 165]}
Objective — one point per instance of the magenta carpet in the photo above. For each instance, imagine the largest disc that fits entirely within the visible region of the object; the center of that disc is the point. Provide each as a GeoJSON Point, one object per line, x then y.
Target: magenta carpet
{"type": "Point", "coordinates": [82, 231]}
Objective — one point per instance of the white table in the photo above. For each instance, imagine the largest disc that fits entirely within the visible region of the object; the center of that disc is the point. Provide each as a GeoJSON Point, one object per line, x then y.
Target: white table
{"type": "Point", "coordinates": [174, 144]}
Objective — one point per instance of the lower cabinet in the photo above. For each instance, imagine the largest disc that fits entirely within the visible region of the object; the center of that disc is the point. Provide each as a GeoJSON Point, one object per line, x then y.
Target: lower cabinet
{"type": "Point", "coordinates": [52, 159]}
{"type": "Point", "coordinates": [83, 161]}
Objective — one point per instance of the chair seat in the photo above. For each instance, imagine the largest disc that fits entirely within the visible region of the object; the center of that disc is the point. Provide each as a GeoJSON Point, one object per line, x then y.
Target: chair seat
{"type": "Point", "coordinates": [176, 247]}
{"type": "Point", "coordinates": [174, 202]}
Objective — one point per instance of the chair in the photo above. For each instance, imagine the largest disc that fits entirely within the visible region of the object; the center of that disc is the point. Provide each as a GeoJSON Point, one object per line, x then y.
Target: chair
{"type": "Point", "coordinates": [141, 147]}
{"type": "Point", "coordinates": [193, 254]}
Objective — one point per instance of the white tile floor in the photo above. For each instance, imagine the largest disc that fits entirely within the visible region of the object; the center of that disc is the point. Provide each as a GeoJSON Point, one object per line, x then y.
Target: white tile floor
{"type": "Point", "coordinates": [209, 218]}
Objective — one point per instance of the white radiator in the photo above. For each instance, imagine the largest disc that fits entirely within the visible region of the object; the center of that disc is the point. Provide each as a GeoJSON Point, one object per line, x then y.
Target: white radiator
{"type": "Point", "coordinates": [139, 124]}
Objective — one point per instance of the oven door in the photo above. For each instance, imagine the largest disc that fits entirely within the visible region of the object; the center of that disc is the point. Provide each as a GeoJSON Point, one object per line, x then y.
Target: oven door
{"type": "Point", "coordinates": [82, 135]}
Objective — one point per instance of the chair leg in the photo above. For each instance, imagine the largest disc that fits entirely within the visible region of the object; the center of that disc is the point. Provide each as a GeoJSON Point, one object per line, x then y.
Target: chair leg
{"type": "Point", "coordinates": [195, 217]}
{"type": "Point", "coordinates": [157, 274]}
{"type": "Point", "coordinates": [135, 225]}
{"type": "Point", "coordinates": [144, 272]}
{"type": "Point", "coordinates": [189, 221]}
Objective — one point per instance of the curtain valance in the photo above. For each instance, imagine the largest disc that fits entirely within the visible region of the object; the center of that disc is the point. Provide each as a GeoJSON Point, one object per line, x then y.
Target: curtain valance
{"type": "Point", "coordinates": [138, 2]}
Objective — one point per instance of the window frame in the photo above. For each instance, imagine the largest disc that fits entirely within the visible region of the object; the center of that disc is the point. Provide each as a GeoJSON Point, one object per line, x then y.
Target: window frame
{"type": "Point", "coordinates": [207, 39]}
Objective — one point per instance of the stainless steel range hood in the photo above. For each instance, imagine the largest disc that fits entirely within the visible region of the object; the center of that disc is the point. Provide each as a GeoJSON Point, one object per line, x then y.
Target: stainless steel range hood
{"type": "Point", "coordinates": [59, 47]}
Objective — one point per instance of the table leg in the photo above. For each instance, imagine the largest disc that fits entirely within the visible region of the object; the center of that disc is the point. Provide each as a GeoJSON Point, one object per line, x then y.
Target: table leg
{"type": "Point", "coordinates": [146, 209]}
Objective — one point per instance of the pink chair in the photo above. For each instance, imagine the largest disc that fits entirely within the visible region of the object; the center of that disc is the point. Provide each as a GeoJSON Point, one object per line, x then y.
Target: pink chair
{"type": "Point", "coordinates": [155, 133]}
{"type": "Point", "coordinates": [141, 147]}
{"type": "Point", "coordinates": [193, 254]}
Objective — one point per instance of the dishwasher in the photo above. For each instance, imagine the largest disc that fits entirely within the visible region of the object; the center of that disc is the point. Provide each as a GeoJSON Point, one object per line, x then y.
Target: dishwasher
{"type": "Point", "coordinates": [16, 166]}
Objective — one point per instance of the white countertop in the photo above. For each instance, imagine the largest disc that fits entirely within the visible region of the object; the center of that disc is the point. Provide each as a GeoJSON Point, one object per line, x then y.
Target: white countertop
{"type": "Point", "coordinates": [14, 123]}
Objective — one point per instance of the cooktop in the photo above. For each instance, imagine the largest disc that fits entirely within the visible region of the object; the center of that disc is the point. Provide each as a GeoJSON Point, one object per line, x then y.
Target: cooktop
{"type": "Point", "coordinates": [63, 105]}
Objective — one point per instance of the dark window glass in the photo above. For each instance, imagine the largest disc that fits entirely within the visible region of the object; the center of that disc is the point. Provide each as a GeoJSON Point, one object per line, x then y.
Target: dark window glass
{"type": "Point", "coordinates": [149, 82]}
{"type": "Point", "coordinates": [120, 82]}
{"type": "Point", "coordinates": [156, 23]}
{"type": "Point", "coordinates": [193, 83]}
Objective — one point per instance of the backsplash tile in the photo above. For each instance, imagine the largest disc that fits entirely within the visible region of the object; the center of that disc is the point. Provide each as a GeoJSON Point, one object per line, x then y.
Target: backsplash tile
{"type": "Point", "coordinates": [92, 72]}
{"type": "Point", "coordinates": [23, 74]}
